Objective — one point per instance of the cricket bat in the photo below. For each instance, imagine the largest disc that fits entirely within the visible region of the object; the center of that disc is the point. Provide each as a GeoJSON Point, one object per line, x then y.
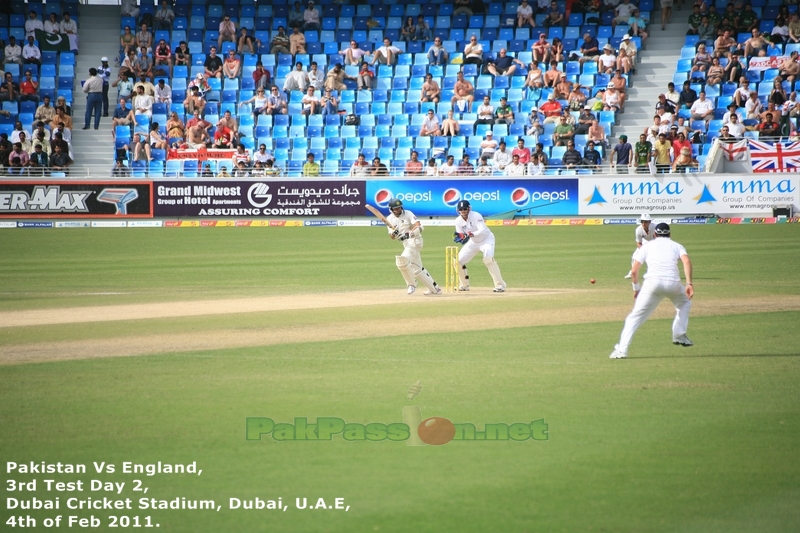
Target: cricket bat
{"type": "Point", "coordinates": [378, 214]}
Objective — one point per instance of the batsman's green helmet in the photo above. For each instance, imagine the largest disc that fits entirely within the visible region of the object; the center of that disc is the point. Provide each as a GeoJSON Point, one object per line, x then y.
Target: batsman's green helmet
{"type": "Point", "coordinates": [394, 203]}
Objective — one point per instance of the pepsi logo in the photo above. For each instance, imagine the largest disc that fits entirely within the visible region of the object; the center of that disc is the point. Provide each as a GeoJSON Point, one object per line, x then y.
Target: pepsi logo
{"type": "Point", "coordinates": [520, 196]}
{"type": "Point", "coordinates": [382, 197]}
{"type": "Point", "coordinates": [451, 197]}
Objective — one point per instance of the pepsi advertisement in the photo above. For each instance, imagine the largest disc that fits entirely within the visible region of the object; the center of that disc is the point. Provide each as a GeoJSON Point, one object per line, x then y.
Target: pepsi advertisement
{"type": "Point", "coordinates": [505, 198]}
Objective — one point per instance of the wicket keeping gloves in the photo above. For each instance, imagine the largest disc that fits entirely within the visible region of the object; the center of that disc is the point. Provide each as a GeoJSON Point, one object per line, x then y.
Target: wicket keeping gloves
{"type": "Point", "coordinates": [460, 238]}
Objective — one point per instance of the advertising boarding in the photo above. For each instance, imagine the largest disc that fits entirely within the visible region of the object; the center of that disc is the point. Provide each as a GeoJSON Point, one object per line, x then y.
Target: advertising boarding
{"type": "Point", "coordinates": [687, 194]}
{"type": "Point", "coordinates": [69, 199]}
{"type": "Point", "coordinates": [505, 198]}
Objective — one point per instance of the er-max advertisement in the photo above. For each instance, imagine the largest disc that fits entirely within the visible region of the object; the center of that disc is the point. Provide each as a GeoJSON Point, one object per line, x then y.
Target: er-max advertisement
{"type": "Point", "coordinates": [492, 198]}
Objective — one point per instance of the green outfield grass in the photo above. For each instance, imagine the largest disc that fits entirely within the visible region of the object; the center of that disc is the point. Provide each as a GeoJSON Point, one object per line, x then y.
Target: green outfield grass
{"type": "Point", "coordinates": [702, 439]}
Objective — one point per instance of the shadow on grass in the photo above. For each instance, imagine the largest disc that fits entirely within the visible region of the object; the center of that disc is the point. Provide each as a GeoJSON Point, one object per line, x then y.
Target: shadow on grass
{"type": "Point", "coordinates": [713, 356]}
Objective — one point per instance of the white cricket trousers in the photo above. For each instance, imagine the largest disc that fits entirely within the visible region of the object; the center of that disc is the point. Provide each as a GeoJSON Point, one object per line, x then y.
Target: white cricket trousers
{"type": "Point", "coordinates": [653, 291]}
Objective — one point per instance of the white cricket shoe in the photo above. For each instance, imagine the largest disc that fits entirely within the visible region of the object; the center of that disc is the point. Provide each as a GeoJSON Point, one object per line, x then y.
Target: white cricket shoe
{"type": "Point", "coordinates": [683, 340]}
{"type": "Point", "coordinates": [617, 354]}
{"type": "Point", "coordinates": [429, 293]}
{"type": "Point", "coordinates": [629, 274]}
{"type": "Point", "coordinates": [499, 289]}
{"type": "Point", "coordinates": [411, 289]}
{"type": "Point", "coordinates": [463, 289]}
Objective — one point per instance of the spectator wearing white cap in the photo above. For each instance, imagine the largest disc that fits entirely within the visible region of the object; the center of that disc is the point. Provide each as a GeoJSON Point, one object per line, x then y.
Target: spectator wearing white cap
{"type": "Point", "coordinates": [104, 71]}
{"type": "Point", "coordinates": [607, 61]}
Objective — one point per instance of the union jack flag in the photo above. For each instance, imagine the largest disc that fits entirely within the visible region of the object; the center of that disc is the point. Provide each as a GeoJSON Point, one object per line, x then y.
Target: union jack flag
{"type": "Point", "coordinates": [774, 157]}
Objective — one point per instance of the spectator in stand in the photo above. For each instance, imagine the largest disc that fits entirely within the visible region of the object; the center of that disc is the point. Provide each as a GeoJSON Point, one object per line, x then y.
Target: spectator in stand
{"type": "Point", "coordinates": [144, 39]}
{"type": "Point", "coordinates": [329, 103]}
{"type": "Point", "coordinates": [502, 157]}
{"type": "Point", "coordinates": [462, 7]}
{"type": "Point", "coordinates": [176, 131]}
{"type": "Point", "coordinates": [149, 88]}
{"type": "Point", "coordinates": [31, 53]}
{"type": "Point", "coordinates": [223, 138]}
{"type": "Point", "coordinates": [18, 132]}
{"type": "Point", "coordinates": [128, 65]}
{"type": "Point", "coordinates": [143, 103]}
{"type": "Point", "coordinates": [733, 110]}
{"type": "Point", "coordinates": [262, 155]}
{"type": "Point", "coordinates": [361, 168]}
{"type": "Point", "coordinates": [681, 142]}
{"type": "Point", "coordinates": [163, 93]}
{"type": "Point", "coordinates": [643, 155]}
{"type": "Point", "coordinates": [555, 17]}
{"type": "Point", "coordinates": [747, 20]}
{"type": "Point", "coordinates": [280, 42]}
{"type": "Point", "coordinates": [246, 43]}
{"type": "Point", "coordinates": [525, 15]}
{"type": "Point", "coordinates": [794, 28]}
{"type": "Point", "coordinates": [39, 159]}
{"type": "Point", "coordinates": [59, 160]}
{"type": "Point", "coordinates": [164, 16]}
{"type": "Point", "coordinates": [551, 109]}
{"type": "Point", "coordinates": [741, 94]}
{"type": "Point", "coordinates": [296, 80]}
{"type": "Point", "coordinates": [13, 52]}
{"type": "Point", "coordinates": [431, 170]}
{"type": "Point", "coordinates": [227, 31]}
{"type": "Point", "coordinates": [129, 8]}
{"type": "Point", "coordinates": [485, 112]}
{"type": "Point", "coordinates": [789, 68]}
{"type": "Point", "coordinates": [684, 161]}
{"type": "Point", "coordinates": [296, 16]}
{"type": "Point", "coordinates": [755, 45]}
{"type": "Point", "coordinates": [514, 168]}
{"type": "Point", "coordinates": [52, 25]}
{"type": "Point", "coordinates": [157, 142]}
{"type": "Point", "coordinates": [715, 73]}
{"type": "Point", "coordinates": [562, 88]}
{"type": "Point", "coordinates": [630, 49]}
{"type": "Point", "coordinates": [104, 71]}
{"type": "Point", "coordinates": [768, 127]}
{"type": "Point", "coordinates": [463, 94]}
{"type": "Point", "coordinates": [564, 132]}
{"type": "Point", "coordinates": [504, 65]}
{"type": "Point", "coordinates": [335, 78]}
{"type": "Point", "coordinates": [504, 114]}
{"type": "Point", "coordinates": [430, 126]}
{"type": "Point", "coordinates": [661, 149]}
{"type": "Point", "coordinates": [270, 170]}
{"type": "Point", "coordinates": [552, 76]}
{"type": "Point", "coordinates": [127, 41]}
{"type": "Point", "coordinates": [261, 77]}
{"type": "Point", "coordinates": [297, 42]}
{"type": "Point", "coordinates": [473, 52]}
{"type": "Point", "coordinates": [534, 80]}
{"type": "Point", "coordinates": [437, 55]}
{"type": "Point", "coordinates": [194, 102]}
{"type": "Point", "coordinates": [365, 77]}
{"type": "Point", "coordinates": [724, 45]}
{"type": "Point", "coordinates": [624, 155]}
{"type": "Point", "coordinates": [638, 25]}
{"type": "Point", "coordinates": [450, 126]}
{"type": "Point", "coordinates": [571, 158]}
{"type": "Point", "coordinates": [592, 157]}
{"type": "Point", "coordinates": [353, 55]}
{"type": "Point", "coordinates": [229, 122]}
{"type": "Point", "coordinates": [32, 24]}
{"type": "Point", "coordinates": [590, 48]}
{"type": "Point", "coordinates": [465, 168]}
{"type": "Point", "coordinates": [311, 104]}
{"type": "Point", "coordinates": [541, 49]}
{"type": "Point", "coordinates": [448, 168]}
{"type": "Point", "coordinates": [163, 58]}
{"type": "Point", "coordinates": [431, 92]}
{"type": "Point", "coordinates": [687, 97]}
{"type": "Point", "coordinates": [702, 108]}
{"type": "Point", "coordinates": [695, 19]}
{"type": "Point", "coordinates": [725, 135]}
{"type": "Point", "coordinates": [232, 67]}
{"type": "Point", "coordinates": [310, 18]}
{"type": "Point", "coordinates": [484, 168]}
{"type": "Point", "coordinates": [61, 118]}
{"type": "Point", "coordinates": [378, 168]}
{"type": "Point", "coordinates": [28, 89]}
{"type": "Point", "coordinates": [622, 13]}
{"type": "Point", "coordinates": [316, 78]}
{"type": "Point", "coordinates": [706, 30]}
{"type": "Point", "coordinates": [213, 64]}
{"type": "Point", "coordinates": [386, 54]}
{"type": "Point", "coordinates": [143, 66]}
{"type": "Point", "coordinates": [524, 154]}
{"type": "Point", "coordinates": [607, 62]}
{"type": "Point", "coordinates": [488, 146]}
{"type": "Point", "coordinates": [276, 103]}
{"type": "Point", "coordinates": [196, 135]}
{"type": "Point", "coordinates": [241, 169]}
{"type": "Point", "coordinates": [20, 154]}
{"type": "Point", "coordinates": [45, 112]}
{"type": "Point", "coordinates": [735, 127]}
{"type": "Point", "coordinates": [413, 166]}
{"type": "Point", "coordinates": [408, 32]}
{"type": "Point", "coordinates": [423, 30]}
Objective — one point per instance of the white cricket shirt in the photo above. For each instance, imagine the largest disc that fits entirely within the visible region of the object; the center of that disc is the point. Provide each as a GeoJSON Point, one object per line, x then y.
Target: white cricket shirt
{"type": "Point", "coordinates": [661, 256]}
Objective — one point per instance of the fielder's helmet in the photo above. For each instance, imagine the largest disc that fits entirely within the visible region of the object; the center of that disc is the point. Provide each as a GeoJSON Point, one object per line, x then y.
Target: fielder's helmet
{"type": "Point", "coordinates": [462, 205]}
{"type": "Point", "coordinates": [662, 229]}
{"type": "Point", "coordinates": [645, 218]}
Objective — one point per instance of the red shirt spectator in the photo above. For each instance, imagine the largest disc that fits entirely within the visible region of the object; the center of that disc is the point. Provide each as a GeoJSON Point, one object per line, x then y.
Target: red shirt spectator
{"type": "Point", "coordinates": [523, 153]}
{"type": "Point", "coordinates": [223, 137]}
{"type": "Point", "coordinates": [551, 108]}
{"type": "Point", "coordinates": [28, 86]}
{"type": "Point", "coordinates": [677, 144]}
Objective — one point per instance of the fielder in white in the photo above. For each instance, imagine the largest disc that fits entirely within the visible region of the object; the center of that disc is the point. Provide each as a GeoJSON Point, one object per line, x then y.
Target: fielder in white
{"type": "Point", "coordinates": [408, 230]}
{"type": "Point", "coordinates": [663, 280]}
{"type": "Point", "coordinates": [645, 232]}
{"type": "Point", "coordinates": [475, 236]}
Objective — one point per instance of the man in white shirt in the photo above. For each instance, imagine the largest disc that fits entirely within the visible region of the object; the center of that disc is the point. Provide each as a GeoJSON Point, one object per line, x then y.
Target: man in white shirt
{"type": "Point", "coordinates": [93, 87]}
{"type": "Point", "coordinates": [525, 15]}
{"type": "Point", "coordinates": [32, 24]}
{"type": "Point", "coordinates": [310, 102]}
{"type": "Point", "coordinates": [163, 93]}
{"type": "Point", "coordinates": [129, 9]}
{"type": "Point", "coordinates": [430, 126]}
{"type": "Point", "coordinates": [143, 103]}
{"type": "Point", "coordinates": [662, 280]}
{"type": "Point", "coordinates": [31, 53]}
{"type": "Point", "coordinates": [352, 55]}
{"type": "Point", "coordinates": [502, 157]}
{"type": "Point", "coordinates": [296, 80]}
{"type": "Point", "coordinates": [386, 54]}
{"type": "Point", "coordinates": [69, 27]}
{"type": "Point", "coordinates": [13, 52]}
{"type": "Point", "coordinates": [702, 108]}
{"type": "Point", "coordinates": [735, 126]}
{"type": "Point", "coordinates": [475, 236]}
{"type": "Point", "coordinates": [449, 168]}
{"type": "Point", "coordinates": [310, 17]}
{"type": "Point", "coordinates": [623, 13]}
{"type": "Point", "coordinates": [164, 17]}
{"type": "Point", "coordinates": [752, 106]}
{"type": "Point", "coordinates": [515, 168]}
{"type": "Point", "coordinates": [485, 112]}
{"type": "Point", "coordinates": [262, 155]}
{"type": "Point", "coordinates": [742, 93]}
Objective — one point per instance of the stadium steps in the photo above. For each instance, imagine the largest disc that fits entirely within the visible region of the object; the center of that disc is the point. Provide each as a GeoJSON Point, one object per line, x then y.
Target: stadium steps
{"type": "Point", "coordinates": [653, 73]}
{"type": "Point", "coordinates": [99, 36]}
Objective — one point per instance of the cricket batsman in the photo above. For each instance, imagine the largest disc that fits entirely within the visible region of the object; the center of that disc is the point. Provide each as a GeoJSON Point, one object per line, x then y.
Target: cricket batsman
{"type": "Point", "coordinates": [408, 230]}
